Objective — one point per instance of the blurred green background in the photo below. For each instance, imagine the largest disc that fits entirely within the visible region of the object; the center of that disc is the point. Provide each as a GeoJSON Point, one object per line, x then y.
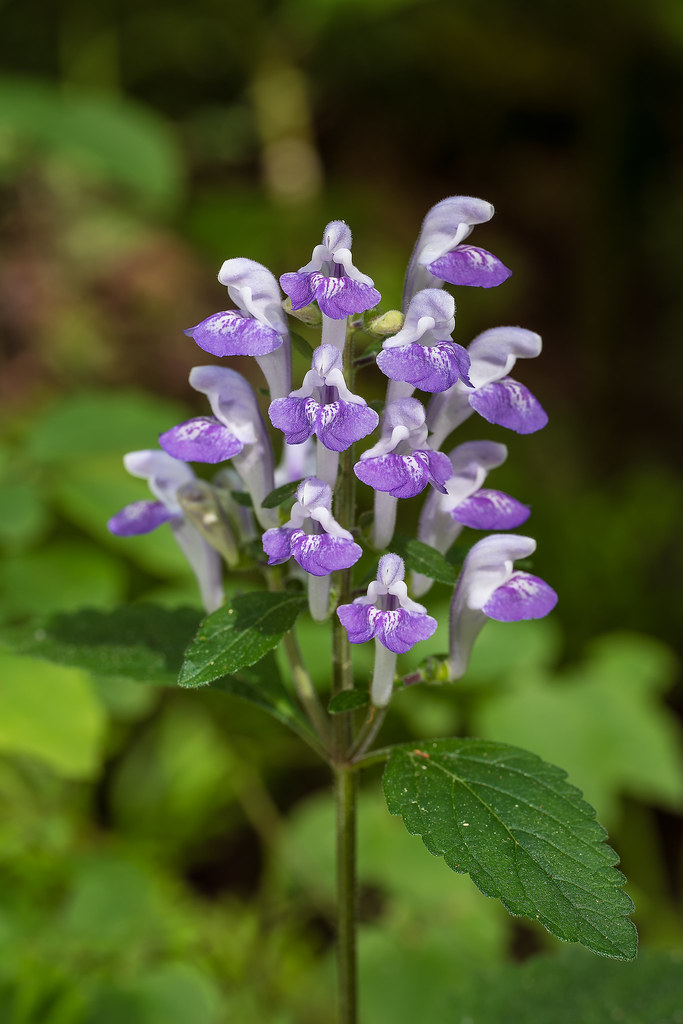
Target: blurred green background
{"type": "Point", "coordinates": [165, 856]}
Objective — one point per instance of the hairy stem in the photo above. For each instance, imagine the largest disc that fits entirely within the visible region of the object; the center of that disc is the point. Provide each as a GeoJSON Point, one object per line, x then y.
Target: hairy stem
{"type": "Point", "coordinates": [346, 797]}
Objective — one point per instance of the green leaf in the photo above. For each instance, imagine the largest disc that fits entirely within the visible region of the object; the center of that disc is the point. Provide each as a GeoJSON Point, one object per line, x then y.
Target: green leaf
{"type": "Point", "coordinates": [281, 494]}
{"type": "Point", "coordinates": [423, 559]}
{"type": "Point", "coordinates": [261, 685]}
{"type": "Point", "coordinates": [50, 712]}
{"type": "Point", "coordinates": [242, 498]}
{"type": "Point", "coordinates": [523, 834]}
{"type": "Point", "coordinates": [301, 345]}
{"type": "Point", "coordinates": [142, 642]}
{"type": "Point", "coordinates": [238, 635]}
{"type": "Point", "coordinates": [348, 700]}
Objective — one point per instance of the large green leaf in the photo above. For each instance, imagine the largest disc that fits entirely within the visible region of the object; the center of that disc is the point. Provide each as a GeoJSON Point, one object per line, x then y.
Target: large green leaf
{"type": "Point", "coordinates": [522, 833]}
{"type": "Point", "coordinates": [142, 642]}
{"type": "Point", "coordinates": [238, 635]}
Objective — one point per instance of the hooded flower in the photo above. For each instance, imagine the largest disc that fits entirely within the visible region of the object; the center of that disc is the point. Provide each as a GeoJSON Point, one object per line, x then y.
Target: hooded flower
{"type": "Point", "coordinates": [167, 476]}
{"type": "Point", "coordinates": [330, 278]}
{"type": "Point", "coordinates": [402, 462]}
{"type": "Point", "coordinates": [312, 536]}
{"type": "Point", "coordinates": [258, 327]}
{"type": "Point", "coordinates": [391, 617]}
{"type": "Point", "coordinates": [494, 395]}
{"type": "Point", "coordinates": [490, 587]}
{"type": "Point", "coordinates": [440, 255]}
{"type": "Point", "coordinates": [324, 406]}
{"type": "Point", "coordinates": [422, 353]}
{"type": "Point", "coordinates": [466, 502]}
{"type": "Point", "coordinates": [236, 431]}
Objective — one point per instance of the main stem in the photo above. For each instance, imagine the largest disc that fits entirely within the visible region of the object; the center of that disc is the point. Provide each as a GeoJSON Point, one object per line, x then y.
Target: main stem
{"type": "Point", "coordinates": [345, 778]}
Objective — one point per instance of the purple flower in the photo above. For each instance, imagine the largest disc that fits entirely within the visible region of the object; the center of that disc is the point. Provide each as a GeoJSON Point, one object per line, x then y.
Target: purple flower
{"type": "Point", "coordinates": [236, 431]}
{"type": "Point", "coordinates": [402, 463]}
{"type": "Point", "coordinates": [166, 476]}
{"type": "Point", "coordinates": [395, 621]}
{"type": "Point", "coordinates": [494, 395]}
{"type": "Point", "coordinates": [312, 536]}
{"type": "Point", "coordinates": [330, 278]}
{"type": "Point", "coordinates": [466, 502]}
{"type": "Point", "coordinates": [440, 256]}
{"type": "Point", "coordinates": [257, 328]}
{"type": "Point", "coordinates": [422, 353]}
{"type": "Point", "coordinates": [324, 406]}
{"type": "Point", "coordinates": [490, 587]}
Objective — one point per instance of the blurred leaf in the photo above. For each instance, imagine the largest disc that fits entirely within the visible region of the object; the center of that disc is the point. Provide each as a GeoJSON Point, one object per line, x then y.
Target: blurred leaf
{"type": "Point", "coordinates": [281, 494]}
{"type": "Point", "coordinates": [238, 635]}
{"type": "Point", "coordinates": [172, 994]}
{"type": "Point", "coordinates": [50, 712]}
{"type": "Point", "coordinates": [109, 137]}
{"type": "Point", "coordinates": [142, 642]}
{"type": "Point", "coordinates": [574, 987]}
{"type": "Point", "coordinates": [100, 423]}
{"type": "Point", "coordinates": [24, 517]}
{"type": "Point", "coordinates": [423, 558]}
{"type": "Point", "coordinates": [301, 345]}
{"type": "Point", "coordinates": [242, 498]}
{"type": "Point", "coordinates": [63, 575]}
{"type": "Point", "coordinates": [521, 832]}
{"type": "Point", "coordinates": [519, 647]}
{"type": "Point", "coordinates": [603, 719]}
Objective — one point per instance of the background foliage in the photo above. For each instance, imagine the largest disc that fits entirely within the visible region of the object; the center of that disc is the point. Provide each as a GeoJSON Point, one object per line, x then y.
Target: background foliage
{"type": "Point", "coordinates": [165, 853]}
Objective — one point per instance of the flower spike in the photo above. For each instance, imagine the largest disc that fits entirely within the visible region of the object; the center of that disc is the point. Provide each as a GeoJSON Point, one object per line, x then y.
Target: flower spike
{"type": "Point", "coordinates": [166, 476]}
{"type": "Point", "coordinates": [395, 621]}
{"type": "Point", "coordinates": [439, 255]}
{"type": "Point", "coordinates": [490, 587]}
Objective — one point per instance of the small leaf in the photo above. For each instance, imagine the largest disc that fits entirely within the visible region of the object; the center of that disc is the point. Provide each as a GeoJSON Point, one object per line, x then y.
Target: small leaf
{"type": "Point", "coordinates": [242, 498]}
{"type": "Point", "coordinates": [522, 833]}
{"type": "Point", "coordinates": [301, 345]}
{"type": "Point", "coordinates": [281, 494]}
{"type": "Point", "coordinates": [261, 685]}
{"type": "Point", "coordinates": [348, 700]}
{"type": "Point", "coordinates": [423, 559]}
{"type": "Point", "coordinates": [238, 635]}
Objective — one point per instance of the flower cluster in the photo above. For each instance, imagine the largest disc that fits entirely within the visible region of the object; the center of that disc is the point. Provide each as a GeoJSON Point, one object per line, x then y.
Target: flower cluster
{"type": "Point", "coordinates": [324, 417]}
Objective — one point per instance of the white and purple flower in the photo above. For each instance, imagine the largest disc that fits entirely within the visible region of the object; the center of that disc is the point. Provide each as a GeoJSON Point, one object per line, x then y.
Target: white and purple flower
{"type": "Point", "coordinates": [235, 431]}
{"type": "Point", "coordinates": [330, 278]}
{"type": "Point", "coordinates": [312, 536]}
{"type": "Point", "coordinates": [402, 463]}
{"type": "Point", "coordinates": [389, 616]}
{"type": "Point", "coordinates": [490, 587]}
{"type": "Point", "coordinates": [166, 476]}
{"type": "Point", "coordinates": [258, 327]}
{"type": "Point", "coordinates": [439, 255]}
{"type": "Point", "coordinates": [466, 502]}
{"type": "Point", "coordinates": [494, 394]}
{"type": "Point", "coordinates": [423, 354]}
{"type": "Point", "coordinates": [324, 406]}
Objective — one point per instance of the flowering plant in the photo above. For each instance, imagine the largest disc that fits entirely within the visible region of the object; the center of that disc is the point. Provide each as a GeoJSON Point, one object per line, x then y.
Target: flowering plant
{"type": "Point", "coordinates": [283, 505]}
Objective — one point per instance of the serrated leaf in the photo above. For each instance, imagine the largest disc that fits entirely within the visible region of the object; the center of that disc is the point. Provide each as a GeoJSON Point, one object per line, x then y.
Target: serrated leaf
{"type": "Point", "coordinates": [348, 700]}
{"type": "Point", "coordinates": [238, 635]}
{"type": "Point", "coordinates": [142, 642]}
{"type": "Point", "coordinates": [423, 558]}
{"type": "Point", "coordinates": [281, 494]}
{"type": "Point", "coordinates": [522, 833]}
{"type": "Point", "coordinates": [301, 345]}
